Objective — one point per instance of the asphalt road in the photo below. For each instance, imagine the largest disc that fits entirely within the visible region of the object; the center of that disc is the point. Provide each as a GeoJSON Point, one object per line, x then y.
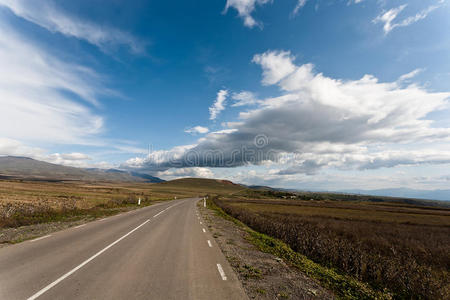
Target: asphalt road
{"type": "Point", "coordinates": [157, 252]}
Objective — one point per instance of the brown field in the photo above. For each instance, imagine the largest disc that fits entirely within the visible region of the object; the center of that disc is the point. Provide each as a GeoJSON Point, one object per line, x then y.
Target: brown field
{"type": "Point", "coordinates": [31, 202]}
{"type": "Point", "coordinates": [404, 248]}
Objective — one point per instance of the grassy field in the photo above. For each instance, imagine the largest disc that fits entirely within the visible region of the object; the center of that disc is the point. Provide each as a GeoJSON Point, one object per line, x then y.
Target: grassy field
{"type": "Point", "coordinates": [395, 245]}
{"type": "Point", "coordinates": [31, 202]}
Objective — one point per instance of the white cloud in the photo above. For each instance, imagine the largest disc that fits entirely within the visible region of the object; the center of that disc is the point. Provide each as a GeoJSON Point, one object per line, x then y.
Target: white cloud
{"type": "Point", "coordinates": [219, 104]}
{"type": "Point", "coordinates": [48, 16]}
{"type": "Point", "coordinates": [186, 172]}
{"type": "Point", "coordinates": [388, 17]}
{"type": "Point", "coordinates": [318, 122]}
{"type": "Point", "coordinates": [11, 147]}
{"type": "Point", "coordinates": [245, 9]}
{"type": "Point", "coordinates": [299, 6]}
{"type": "Point", "coordinates": [410, 75]}
{"type": "Point", "coordinates": [244, 98]}
{"type": "Point", "coordinates": [197, 130]}
{"type": "Point", "coordinates": [34, 94]}
{"type": "Point", "coordinates": [275, 64]}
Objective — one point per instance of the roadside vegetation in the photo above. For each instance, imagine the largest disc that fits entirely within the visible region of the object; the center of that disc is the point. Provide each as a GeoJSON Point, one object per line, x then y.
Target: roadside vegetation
{"type": "Point", "coordinates": [25, 203]}
{"type": "Point", "coordinates": [397, 248]}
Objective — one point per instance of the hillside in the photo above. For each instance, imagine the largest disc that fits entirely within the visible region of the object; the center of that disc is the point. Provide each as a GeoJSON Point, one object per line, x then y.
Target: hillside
{"type": "Point", "coordinates": [198, 186]}
{"type": "Point", "coordinates": [31, 169]}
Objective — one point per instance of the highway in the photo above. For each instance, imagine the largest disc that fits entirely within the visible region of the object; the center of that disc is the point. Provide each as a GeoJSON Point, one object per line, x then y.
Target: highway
{"type": "Point", "coordinates": [156, 252]}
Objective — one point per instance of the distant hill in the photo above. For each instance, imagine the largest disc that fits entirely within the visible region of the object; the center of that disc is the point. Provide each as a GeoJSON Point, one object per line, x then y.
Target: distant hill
{"type": "Point", "coordinates": [27, 168]}
{"type": "Point", "coordinates": [406, 193]}
{"type": "Point", "coordinates": [199, 186]}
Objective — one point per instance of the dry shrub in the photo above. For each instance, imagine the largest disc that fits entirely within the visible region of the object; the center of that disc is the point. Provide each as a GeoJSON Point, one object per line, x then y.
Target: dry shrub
{"type": "Point", "coordinates": [411, 260]}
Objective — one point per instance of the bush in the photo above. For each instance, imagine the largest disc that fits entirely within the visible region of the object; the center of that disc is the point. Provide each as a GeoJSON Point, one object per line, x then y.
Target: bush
{"type": "Point", "coordinates": [411, 260]}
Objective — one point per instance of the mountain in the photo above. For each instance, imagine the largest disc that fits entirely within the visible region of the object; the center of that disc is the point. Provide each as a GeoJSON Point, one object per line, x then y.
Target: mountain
{"type": "Point", "coordinates": [31, 169]}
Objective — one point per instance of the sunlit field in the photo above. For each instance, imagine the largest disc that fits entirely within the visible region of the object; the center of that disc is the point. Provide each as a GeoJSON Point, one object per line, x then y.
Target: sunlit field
{"type": "Point", "coordinates": [402, 247]}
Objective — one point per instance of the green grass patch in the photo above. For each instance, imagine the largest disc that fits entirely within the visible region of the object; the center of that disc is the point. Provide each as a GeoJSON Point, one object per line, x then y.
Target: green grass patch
{"type": "Point", "coordinates": [344, 286]}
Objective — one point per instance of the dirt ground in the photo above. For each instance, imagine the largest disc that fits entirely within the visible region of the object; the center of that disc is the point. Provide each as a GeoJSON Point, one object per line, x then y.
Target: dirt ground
{"type": "Point", "coordinates": [263, 275]}
{"type": "Point", "coordinates": [15, 235]}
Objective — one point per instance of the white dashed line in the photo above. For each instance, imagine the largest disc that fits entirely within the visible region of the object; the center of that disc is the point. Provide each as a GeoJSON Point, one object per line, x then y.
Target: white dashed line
{"type": "Point", "coordinates": [209, 244]}
{"type": "Point", "coordinates": [80, 226]}
{"type": "Point", "coordinates": [83, 264]}
{"type": "Point", "coordinates": [158, 214]}
{"type": "Point", "coordinates": [222, 273]}
{"type": "Point", "coordinates": [200, 223]}
{"type": "Point", "coordinates": [203, 229]}
{"type": "Point", "coordinates": [41, 238]}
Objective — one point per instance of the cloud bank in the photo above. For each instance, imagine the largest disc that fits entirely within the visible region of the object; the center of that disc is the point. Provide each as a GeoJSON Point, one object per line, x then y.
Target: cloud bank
{"type": "Point", "coordinates": [320, 122]}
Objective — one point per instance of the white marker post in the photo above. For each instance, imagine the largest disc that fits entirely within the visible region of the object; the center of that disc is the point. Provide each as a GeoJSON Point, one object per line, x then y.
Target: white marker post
{"type": "Point", "coordinates": [139, 201]}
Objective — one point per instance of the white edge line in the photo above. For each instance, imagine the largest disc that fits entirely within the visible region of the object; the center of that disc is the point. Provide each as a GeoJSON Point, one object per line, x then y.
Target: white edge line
{"type": "Point", "coordinates": [80, 226]}
{"type": "Point", "coordinates": [200, 223]}
{"type": "Point", "coordinates": [45, 289]}
{"type": "Point", "coordinates": [203, 229]}
{"type": "Point", "coordinates": [222, 273]}
{"type": "Point", "coordinates": [209, 244]}
{"type": "Point", "coordinates": [48, 287]}
{"type": "Point", "coordinates": [41, 238]}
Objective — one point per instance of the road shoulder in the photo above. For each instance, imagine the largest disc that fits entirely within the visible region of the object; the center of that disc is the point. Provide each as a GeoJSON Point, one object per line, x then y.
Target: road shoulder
{"type": "Point", "coordinates": [262, 275]}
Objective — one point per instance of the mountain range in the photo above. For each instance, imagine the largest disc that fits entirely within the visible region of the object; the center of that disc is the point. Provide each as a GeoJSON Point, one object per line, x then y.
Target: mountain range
{"type": "Point", "coordinates": [14, 167]}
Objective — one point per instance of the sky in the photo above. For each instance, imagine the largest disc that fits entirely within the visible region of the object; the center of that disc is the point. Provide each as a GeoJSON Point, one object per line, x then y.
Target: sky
{"type": "Point", "coordinates": [308, 94]}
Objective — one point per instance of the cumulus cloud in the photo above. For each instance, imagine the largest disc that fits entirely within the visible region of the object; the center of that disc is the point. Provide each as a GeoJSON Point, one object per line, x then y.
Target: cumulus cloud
{"type": "Point", "coordinates": [197, 130]}
{"type": "Point", "coordinates": [245, 9]}
{"type": "Point", "coordinates": [275, 64]}
{"type": "Point", "coordinates": [317, 121]}
{"type": "Point", "coordinates": [48, 16]}
{"type": "Point", "coordinates": [388, 17]}
{"type": "Point", "coordinates": [219, 104]}
{"type": "Point", "coordinates": [186, 172]}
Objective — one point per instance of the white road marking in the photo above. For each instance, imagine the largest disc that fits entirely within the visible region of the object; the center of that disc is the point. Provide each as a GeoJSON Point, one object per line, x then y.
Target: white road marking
{"type": "Point", "coordinates": [41, 238]}
{"type": "Point", "coordinates": [48, 287]}
{"type": "Point", "coordinates": [101, 220]}
{"type": "Point", "coordinates": [203, 229]}
{"type": "Point", "coordinates": [209, 244]}
{"type": "Point", "coordinates": [222, 273]}
{"type": "Point", "coordinates": [158, 214]}
{"type": "Point", "coordinates": [200, 223]}
{"type": "Point", "coordinates": [45, 289]}
{"type": "Point", "coordinates": [80, 226]}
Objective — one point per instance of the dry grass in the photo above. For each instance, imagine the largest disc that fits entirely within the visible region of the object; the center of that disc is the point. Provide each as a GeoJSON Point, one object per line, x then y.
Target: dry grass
{"type": "Point", "coordinates": [26, 203]}
{"type": "Point", "coordinates": [31, 202]}
{"type": "Point", "coordinates": [404, 248]}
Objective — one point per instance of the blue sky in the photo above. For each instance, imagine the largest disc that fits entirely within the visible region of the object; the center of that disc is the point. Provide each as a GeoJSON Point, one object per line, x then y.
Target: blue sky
{"type": "Point", "coordinates": [340, 94]}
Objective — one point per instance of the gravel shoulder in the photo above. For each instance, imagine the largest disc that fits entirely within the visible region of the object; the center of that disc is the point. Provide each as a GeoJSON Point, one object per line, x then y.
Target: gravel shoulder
{"type": "Point", "coordinates": [262, 275]}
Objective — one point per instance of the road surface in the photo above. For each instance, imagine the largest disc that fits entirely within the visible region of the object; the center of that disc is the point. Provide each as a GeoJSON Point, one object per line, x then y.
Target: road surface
{"type": "Point", "coordinates": [157, 252]}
